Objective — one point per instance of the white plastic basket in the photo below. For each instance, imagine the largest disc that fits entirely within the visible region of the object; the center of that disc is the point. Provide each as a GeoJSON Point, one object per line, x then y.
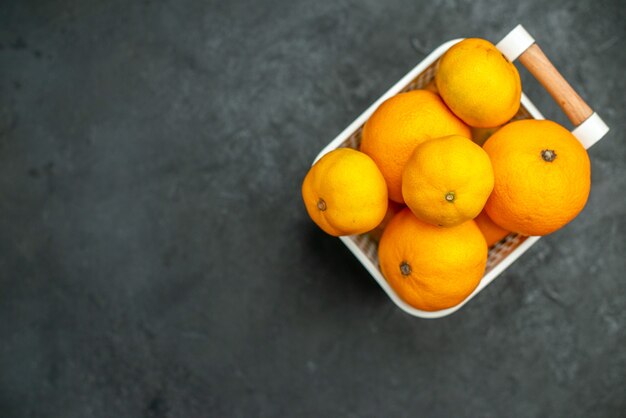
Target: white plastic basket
{"type": "Point", "coordinates": [517, 44]}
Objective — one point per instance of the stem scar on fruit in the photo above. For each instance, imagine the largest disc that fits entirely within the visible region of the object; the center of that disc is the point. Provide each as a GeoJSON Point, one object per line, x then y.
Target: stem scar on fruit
{"type": "Point", "coordinates": [450, 197]}
{"type": "Point", "coordinates": [405, 268]}
{"type": "Point", "coordinates": [548, 155]}
{"type": "Point", "coordinates": [321, 205]}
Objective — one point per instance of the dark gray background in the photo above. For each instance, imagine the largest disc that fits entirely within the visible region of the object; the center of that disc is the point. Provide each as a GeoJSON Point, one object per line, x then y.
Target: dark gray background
{"type": "Point", "coordinates": [156, 259]}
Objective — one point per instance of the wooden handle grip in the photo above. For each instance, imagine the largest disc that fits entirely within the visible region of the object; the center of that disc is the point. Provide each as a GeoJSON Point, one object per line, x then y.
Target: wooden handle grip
{"type": "Point", "coordinates": [568, 100]}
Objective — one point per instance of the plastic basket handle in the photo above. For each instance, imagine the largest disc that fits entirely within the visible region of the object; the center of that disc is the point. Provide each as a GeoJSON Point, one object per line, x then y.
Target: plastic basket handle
{"type": "Point", "coordinates": [520, 44]}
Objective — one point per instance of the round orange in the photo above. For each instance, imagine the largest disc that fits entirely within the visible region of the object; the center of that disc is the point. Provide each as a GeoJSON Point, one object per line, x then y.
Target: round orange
{"type": "Point", "coordinates": [478, 83]}
{"type": "Point", "coordinates": [345, 193]}
{"type": "Point", "coordinates": [492, 232]}
{"type": "Point", "coordinates": [447, 180]}
{"type": "Point", "coordinates": [542, 177]}
{"type": "Point", "coordinates": [429, 267]}
{"type": "Point", "coordinates": [399, 125]}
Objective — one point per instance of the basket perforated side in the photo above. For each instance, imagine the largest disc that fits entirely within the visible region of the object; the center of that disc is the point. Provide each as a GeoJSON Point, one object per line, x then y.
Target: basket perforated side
{"type": "Point", "coordinates": [369, 246]}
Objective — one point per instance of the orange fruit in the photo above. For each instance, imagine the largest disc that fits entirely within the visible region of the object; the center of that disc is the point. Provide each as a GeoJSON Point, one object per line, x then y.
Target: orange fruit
{"type": "Point", "coordinates": [447, 180]}
{"type": "Point", "coordinates": [399, 125]}
{"type": "Point", "coordinates": [542, 177]}
{"type": "Point", "coordinates": [429, 267]}
{"type": "Point", "coordinates": [492, 232]}
{"type": "Point", "coordinates": [478, 83]}
{"type": "Point", "coordinates": [345, 193]}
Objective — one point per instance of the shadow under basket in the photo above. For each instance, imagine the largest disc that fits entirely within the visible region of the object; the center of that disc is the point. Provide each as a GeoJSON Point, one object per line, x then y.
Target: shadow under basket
{"type": "Point", "coordinates": [517, 44]}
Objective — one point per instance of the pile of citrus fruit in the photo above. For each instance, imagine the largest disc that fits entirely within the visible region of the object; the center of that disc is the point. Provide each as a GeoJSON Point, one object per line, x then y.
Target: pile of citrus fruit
{"type": "Point", "coordinates": [442, 174]}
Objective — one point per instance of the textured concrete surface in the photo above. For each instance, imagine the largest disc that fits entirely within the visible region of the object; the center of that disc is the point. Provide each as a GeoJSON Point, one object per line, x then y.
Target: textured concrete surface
{"type": "Point", "coordinates": [156, 259]}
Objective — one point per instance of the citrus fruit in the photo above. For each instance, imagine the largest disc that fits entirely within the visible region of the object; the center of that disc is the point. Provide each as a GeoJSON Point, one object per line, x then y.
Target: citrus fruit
{"type": "Point", "coordinates": [492, 232]}
{"type": "Point", "coordinates": [478, 83]}
{"type": "Point", "coordinates": [447, 180]}
{"type": "Point", "coordinates": [345, 193]}
{"type": "Point", "coordinates": [429, 267]}
{"type": "Point", "coordinates": [399, 125]}
{"type": "Point", "coordinates": [542, 177]}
